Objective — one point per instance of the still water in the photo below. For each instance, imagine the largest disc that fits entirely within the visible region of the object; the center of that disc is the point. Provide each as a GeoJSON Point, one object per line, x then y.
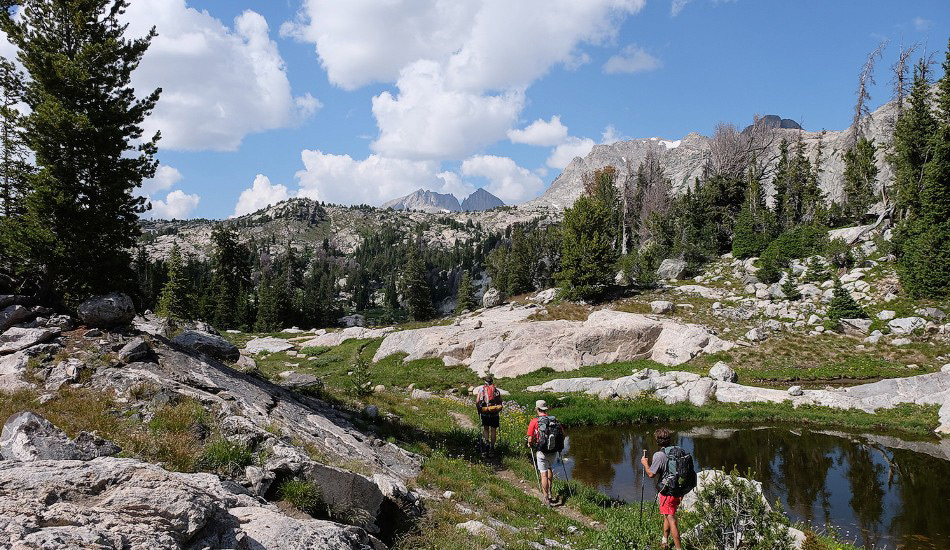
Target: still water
{"type": "Point", "coordinates": [880, 492]}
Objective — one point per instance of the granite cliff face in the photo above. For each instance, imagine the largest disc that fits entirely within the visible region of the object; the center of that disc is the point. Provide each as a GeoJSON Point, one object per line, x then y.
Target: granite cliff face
{"type": "Point", "coordinates": [683, 159]}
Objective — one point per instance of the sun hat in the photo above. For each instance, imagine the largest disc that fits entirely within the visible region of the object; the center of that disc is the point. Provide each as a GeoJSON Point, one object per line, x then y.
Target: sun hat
{"type": "Point", "coordinates": [541, 405]}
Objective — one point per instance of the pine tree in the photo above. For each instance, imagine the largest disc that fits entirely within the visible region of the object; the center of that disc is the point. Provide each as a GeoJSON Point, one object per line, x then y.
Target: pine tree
{"type": "Point", "coordinates": [84, 128]}
{"type": "Point", "coordinates": [751, 233]}
{"type": "Point", "coordinates": [268, 307]}
{"type": "Point", "coordinates": [589, 246]}
{"type": "Point", "coordinates": [915, 129]}
{"type": "Point", "coordinates": [14, 167]}
{"type": "Point", "coordinates": [465, 298]}
{"type": "Point", "coordinates": [860, 177]}
{"type": "Point", "coordinates": [173, 302]}
{"type": "Point", "coordinates": [230, 277]}
{"type": "Point", "coordinates": [816, 272]}
{"type": "Point", "coordinates": [924, 238]}
{"type": "Point", "coordinates": [843, 305]}
{"type": "Point", "coordinates": [415, 287]}
{"type": "Point", "coordinates": [519, 264]}
{"type": "Point", "coordinates": [789, 288]}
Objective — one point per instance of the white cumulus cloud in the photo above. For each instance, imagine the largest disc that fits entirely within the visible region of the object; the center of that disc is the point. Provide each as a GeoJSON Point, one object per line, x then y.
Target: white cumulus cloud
{"type": "Point", "coordinates": [340, 179]}
{"type": "Point", "coordinates": [632, 59]}
{"type": "Point", "coordinates": [543, 133]}
{"type": "Point", "coordinates": [678, 6]}
{"type": "Point", "coordinates": [427, 120]}
{"type": "Point", "coordinates": [506, 180]}
{"type": "Point", "coordinates": [177, 205]}
{"type": "Point", "coordinates": [219, 83]}
{"type": "Point", "coordinates": [165, 178]}
{"type": "Point", "coordinates": [261, 194]}
{"type": "Point", "coordinates": [563, 154]}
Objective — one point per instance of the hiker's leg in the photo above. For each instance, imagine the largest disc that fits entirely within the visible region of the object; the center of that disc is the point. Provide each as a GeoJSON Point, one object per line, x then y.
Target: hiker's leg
{"type": "Point", "coordinates": [666, 530]}
{"type": "Point", "coordinates": [494, 435]}
{"type": "Point", "coordinates": [675, 531]}
{"type": "Point", "coordinates": [485, 432]}
{"type": "Point", "coordinates": [550, 474]}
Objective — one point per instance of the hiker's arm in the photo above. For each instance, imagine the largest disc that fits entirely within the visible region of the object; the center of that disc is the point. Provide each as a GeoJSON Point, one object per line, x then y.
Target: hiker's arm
{"type": "Point", "coordinates": [646, 467]}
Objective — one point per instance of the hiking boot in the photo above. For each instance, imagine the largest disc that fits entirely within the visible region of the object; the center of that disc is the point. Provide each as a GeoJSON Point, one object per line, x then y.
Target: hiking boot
{"type": "Point", "coordinates": [491, 452]}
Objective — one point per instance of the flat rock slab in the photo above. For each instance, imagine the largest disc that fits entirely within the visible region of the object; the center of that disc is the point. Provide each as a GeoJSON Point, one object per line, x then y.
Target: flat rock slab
{"type": "Point", "coordinates": [17, 339]}
{"type": "Point", "coordinates": [504, 342]}
{"type": "Point", "coordinates": [269, 344]}
{"type": "Point", "coordinates": [332, 339]}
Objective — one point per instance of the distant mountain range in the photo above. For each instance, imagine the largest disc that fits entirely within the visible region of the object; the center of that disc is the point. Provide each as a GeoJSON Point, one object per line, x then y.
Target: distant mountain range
{"type": "Point", "coordinates": [434, 203]}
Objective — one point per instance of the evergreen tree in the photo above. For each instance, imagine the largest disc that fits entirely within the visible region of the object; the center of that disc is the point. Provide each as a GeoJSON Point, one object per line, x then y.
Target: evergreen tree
{"type": "Point", "coordinates": [860, 177]}
{"type": "Point", "coordinates": [589, 246]}
{"type": "Point", "coordinates": [519, 264]}
{"type": "Point", "coordinates": [465, 299]}
{"type": "Point", "coordinates": [415, 287]}
{"type": "Point", "coordinates": [751, 233]}
{"type": "Point", "coordinates": [174, 300]}
{"type": "Point", "coordinates": [816, 272]}
{"type": "Point", "coordinates": [781, 183]}
{"type": "Point", "coordinates": [912, 144]}
{"type": "Point", "coordinates": [230, 277]}
{"type": "Point", "coordinates": [789, 288]}
{"type": "Point", "coordinates": [268, 306]}
{"type": "Point", "coordinates": [843, 305]}
{"type": "Point", "coordinates": [80, 220]}
{"type": "Point", "coordinates": [14, 167]}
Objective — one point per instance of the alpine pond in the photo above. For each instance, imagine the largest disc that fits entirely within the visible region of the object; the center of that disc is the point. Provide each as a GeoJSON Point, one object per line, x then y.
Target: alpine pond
{"type": "Point", "coordinates": [879, 491]}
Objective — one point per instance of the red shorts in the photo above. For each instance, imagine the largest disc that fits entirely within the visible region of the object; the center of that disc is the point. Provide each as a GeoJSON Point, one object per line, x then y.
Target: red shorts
{"type": "Point", "coordinates": [669, 504]}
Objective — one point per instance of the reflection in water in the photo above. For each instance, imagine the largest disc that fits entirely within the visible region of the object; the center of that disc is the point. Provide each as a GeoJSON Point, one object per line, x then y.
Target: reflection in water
{"type": "Point", "coordinates": [881, 497]}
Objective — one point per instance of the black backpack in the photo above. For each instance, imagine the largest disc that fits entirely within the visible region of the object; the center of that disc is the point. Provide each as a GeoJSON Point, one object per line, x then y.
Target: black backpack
{"type": "Point", "coordinates": [550, 435]}
{"type": "Point", "coordinates": [679, 476]}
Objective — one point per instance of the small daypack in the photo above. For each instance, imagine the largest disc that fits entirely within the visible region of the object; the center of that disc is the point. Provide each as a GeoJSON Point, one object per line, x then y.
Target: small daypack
{"type": "Point", "coordinates": [550, 435]}
{"type": "Point", "coordinates": [489, 400]}
{"type": "Point", "coordinates": [679, 476]}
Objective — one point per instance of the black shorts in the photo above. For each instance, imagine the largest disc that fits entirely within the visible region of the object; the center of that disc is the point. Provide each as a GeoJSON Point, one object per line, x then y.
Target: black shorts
{"type": "Point", "coordinates": [490, 420]}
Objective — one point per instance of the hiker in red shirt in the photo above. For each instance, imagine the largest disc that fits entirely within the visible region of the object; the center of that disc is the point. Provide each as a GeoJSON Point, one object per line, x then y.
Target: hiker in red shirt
{"type": "Point", "coordinates": [488, 403]}
{"type": "Point", "coordinates": [668, 504]}
{"type": "Point", "coordinates": [546, 439]}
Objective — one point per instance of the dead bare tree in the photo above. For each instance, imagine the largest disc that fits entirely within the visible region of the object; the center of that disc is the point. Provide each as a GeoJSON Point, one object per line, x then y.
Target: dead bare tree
{"type": "Point", "coordinates": [861, 109]}
{"type": "Point", "coordinates": [652, 194]}
{"type": "Point", "coordinates": [900, 81]}
{"type": "Point", "coordinates": [731, 152]}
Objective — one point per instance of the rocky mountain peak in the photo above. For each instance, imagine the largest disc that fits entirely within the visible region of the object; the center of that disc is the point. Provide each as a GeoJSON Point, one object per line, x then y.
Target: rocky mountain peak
{"type": "Point", "coordinates": [425, 201]}
{"type": "Point", "coordinates": [481, 199]}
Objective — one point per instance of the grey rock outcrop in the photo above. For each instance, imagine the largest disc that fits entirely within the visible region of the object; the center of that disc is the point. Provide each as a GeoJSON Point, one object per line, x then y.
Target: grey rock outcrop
{"type": "Point", "coordinates": [302, 382]}
{"type": "Point", "coordinates": [112, 503]}
{"type": "Point", "coordinates": [12, 315]}
{"type": "Point", "coordinates": [491, 298]}
{"type": "Point", "coordinates": [135, 350]}
{"type": "Point", "coordinates": [856, 327]}
{"type": "Point", "coordinates": [509, 344]}
{"type": "Point", "coordinates": [28, 437]}
{"type": "Point", "coordinates": [425, 201]}
{"type": "Point", "coordinates": [723, 372]}
{"type": "Point", "coordinates": [207, 344]}
{"type": "Point", "coordinates": [110, 310]}
{"type": "Point", "coordinates": [268, 344]}
{"type": "Point", "coordinates": [661, 306]}
{"type": "Point", "coordinates": [16, 339]}
{"type": "Point", "coordinates": [906, 325]}
{"type": "Point", "coordinates": [481, 199]}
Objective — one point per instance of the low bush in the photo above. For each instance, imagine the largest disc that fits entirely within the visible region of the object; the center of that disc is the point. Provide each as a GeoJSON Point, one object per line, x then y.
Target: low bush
{"type": "Point", "coordinates": [797, 243]}
{"type": "Point", "coordinates": [225, 457]}
{"type": "Point", "coordinates": [303, 495]}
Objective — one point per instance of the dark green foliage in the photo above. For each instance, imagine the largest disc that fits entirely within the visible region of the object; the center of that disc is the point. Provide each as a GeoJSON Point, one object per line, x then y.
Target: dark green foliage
{"type": "Point", "coordinates": [360, 383]}
{"type": "Point", "coordinates": [843, 305]}
{"type": "Point", "coordinates": [912, 144]}
{"type": "Point", "coordinates": [231, 279]}
{"type": "Point", "coordinates": [923, 239]}
{"type": "Point", "coordinates": [839, 254]}
{"type": "Point", "coordinates": [789, 288]}
{"type": "Point", "coordinates": [79, 220]}
{"type": "Point", "coordinates": [415, 287]}
{"type": "Point", "coordinates": [174, 300]}
{"type": "Point", "coordinates": [14, 167]}
{"type": "Point", "coordinates": [817, 271]}
{"type": "Point", "coordinates": [752, 228]}
{"type": "Point", "coordinates": [860, 177]}
{"type": "Point", "coordinates": [465, 298]}
{"type": "Point", "coordinates": [590, 246]}
{"type": "Point", "coordinates": [800, 242]}
{"type": "Point", "coordinates": [268, 306]}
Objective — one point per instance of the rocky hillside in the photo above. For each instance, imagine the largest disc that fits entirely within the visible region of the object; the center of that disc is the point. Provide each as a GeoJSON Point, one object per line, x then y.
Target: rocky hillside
{"type": "Point", "coordinates": [185, 404]}
{"type": "Point", "coordinates": [304, 222]}
{"type": "Point", "coordinates": [683, 159]}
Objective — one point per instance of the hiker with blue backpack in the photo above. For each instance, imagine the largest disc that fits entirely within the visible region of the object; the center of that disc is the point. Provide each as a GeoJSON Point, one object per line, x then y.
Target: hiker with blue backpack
{"type": "Point", "coordinates": [676, 475]}
{"type": "Point", "coordinates": [545, 440]}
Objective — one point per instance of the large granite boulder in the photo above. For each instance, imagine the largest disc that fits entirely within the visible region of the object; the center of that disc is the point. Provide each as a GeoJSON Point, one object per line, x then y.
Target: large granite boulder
{"type": "Point", "coordinates": [110, 310]}
{"type": "Point", "coordinates": [671, 269]}
{"type": "Point", "coordinates": [208, 344]}
{"type": "Point", "coordinates": [723, 372]}
{"type": "Point", "coordinates": [906, 325]}
{"type": "Point", "coordinates": [12, 315]}
{"type": "Point", "coordinates": [269, 344]}
{"type": "Point", "coordinates": [28, 437]}
{"type": "Point", "coordinates": [491, 298]}
{"type": "Point", "coordinates": [16, 339]}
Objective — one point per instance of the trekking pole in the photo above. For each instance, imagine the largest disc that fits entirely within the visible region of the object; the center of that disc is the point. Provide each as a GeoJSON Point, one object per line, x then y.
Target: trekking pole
{"type": "Point", "coordinates": [642, 482]}
{"type": "Point", "coordinates": [534, 466]}
{"type": "Point", "coordinates": [567, 477]}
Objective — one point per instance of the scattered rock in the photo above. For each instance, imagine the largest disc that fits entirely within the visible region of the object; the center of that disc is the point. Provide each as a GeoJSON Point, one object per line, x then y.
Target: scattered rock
{"type": "Point", "coordinates": [16, 339]}
{"type": "Point", "coordinates": [12, 315]}
{"type": "Point", "coordinates": [479, 529]}
{"type": "Point", "coordinates": [661, 306]}
{"type": "Point", "coordinates": [268, 344]}
{"type": "Point", "coordinates": [545, 296]}
{"type": "Point", "coordinates": [722, 371]}
{"type": "Point", "coordinates": [65, 372]}
{"type": "Point", "coordinates": [420, 394]}
{"type": "Point", "coordinates": [135, 350]}
{"type": "Point", "coordinates": [855, 327]}
{"type": "Point", "coordinates": [492, 298]}
{"type": "Point", "coordinates": [28, 437]}
{"type": "Point", "coordinates": [302, 382]}
{"type": "Point", "coordinates": [931, 313]}
{"type": "Point", "coordinates": [371, 411]}
{"type": "Point", "coordinates": [906, 325]}
{"type": "Point", "coordinates": [671, 269]}
{"type": "Point", "coordinates": [900, 341]}
{"type": "Point", "coordinates": [110, 310]}
{"type": "Point", "coordinates": [379, 388]}
{"type": "Point", "coordinates": [795, 391]}
{"type": "Point", "coordinates": [886, 315]}
{"type": "Point", "coordinates": [756, 335]}
{"type": "Point", "coordinates": [245, 364]}
{"type": "Point", "coordinates": [207, 344]}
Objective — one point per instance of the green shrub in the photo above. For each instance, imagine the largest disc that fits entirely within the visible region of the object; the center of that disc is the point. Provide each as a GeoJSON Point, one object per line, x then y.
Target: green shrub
{"type": "Point", "coordinates": [225, 457]}
{"type": "Point", "coordinates": [800, 242]}
{"type": "Point", "coordinates": [734, 515]}
{"type": "Point", "coordinates": [839, 254]}
{"type": "Point", "coordinates": [817, 271]}
{"type": "Point", "coordinates": [303, 495]}
{"type": "Point", "coordinates": [789, 287]}
{"type": "Point", "coordinates": [361, 385]}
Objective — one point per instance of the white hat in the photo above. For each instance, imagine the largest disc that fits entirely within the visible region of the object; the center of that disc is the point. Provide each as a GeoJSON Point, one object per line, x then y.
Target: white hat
{"type": "Point", "coordinates": [541, 405]}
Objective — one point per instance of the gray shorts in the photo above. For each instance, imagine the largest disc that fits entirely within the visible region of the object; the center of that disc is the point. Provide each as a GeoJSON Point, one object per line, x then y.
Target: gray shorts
{"type": "Point", "coordinates": [545, 460]}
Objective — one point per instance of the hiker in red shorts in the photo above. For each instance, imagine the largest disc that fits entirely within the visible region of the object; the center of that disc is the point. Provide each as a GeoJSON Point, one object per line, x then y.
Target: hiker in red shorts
{"type": "Point", "coordinates": [668, 504]}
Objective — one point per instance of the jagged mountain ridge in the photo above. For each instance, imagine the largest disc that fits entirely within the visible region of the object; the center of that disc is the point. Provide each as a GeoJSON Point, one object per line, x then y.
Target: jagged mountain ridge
{"type": "Point", "coordinates": [481, 199]}
{"type": "Point", "coordinates": [683, 160]}
{"type": "Point", "coordinates": [425, 201]}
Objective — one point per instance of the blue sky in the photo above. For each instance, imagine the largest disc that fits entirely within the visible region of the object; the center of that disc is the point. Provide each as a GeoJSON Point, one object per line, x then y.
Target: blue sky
{"type": "Point", "coordinates": [365, 100]}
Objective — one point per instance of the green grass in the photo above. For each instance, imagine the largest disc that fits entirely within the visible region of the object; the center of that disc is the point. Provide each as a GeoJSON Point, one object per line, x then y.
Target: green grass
{"type": "Point", "coordinates": [225, 457]}
{"type": "Point", "coordinates": [608, 371]}
{"type": "Point", "coordinates": [301, 494]}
